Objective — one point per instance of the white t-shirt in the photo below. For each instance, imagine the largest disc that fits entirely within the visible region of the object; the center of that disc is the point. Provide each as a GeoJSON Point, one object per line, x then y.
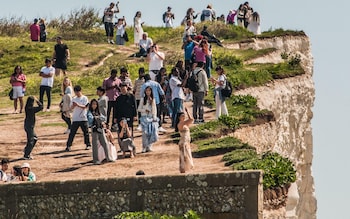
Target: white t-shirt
{"type": "Point", "coordinates": [47, 71]}
{"type": "Point", "coordinates": [146, 44]}
{"type": "Point", "coordinates": [155, 62]}
{"type": "Point", "coordinates": [221, 78]}
{"type": "Point", "coordinates": [80, 114]}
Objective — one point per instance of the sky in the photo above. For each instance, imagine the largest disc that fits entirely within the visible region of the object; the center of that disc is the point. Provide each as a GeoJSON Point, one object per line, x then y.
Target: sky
{"type": "Point", "coordinates": [323, 21]}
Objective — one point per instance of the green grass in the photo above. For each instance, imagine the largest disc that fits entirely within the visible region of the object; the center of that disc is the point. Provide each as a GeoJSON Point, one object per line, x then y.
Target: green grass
{"type": "Point", "coordinates": [230, 143]}
{"type": "Point", "coordinates": [54, 124]}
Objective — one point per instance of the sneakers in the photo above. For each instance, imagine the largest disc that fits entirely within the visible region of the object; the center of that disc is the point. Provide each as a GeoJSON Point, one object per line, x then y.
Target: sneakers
{"type": "Point", "coordinates": [67, 131]}
{"type": "Point", "coordinates": [88, 147]}
{"type": "Point", "coordinates": [111, 42]}
{"type": "Point", "coordinates": [27, 158]}
{"type": "Point", "coordinates": [68, 149]}
{"type": "Point", "coordinates": [139, 128]}
{"type": "Point", "coordinates": [47, 110]}
{"type": "Point", "coordinates": [108, 41]}
{"type": "Point", "coordinates": [161, 129]}
{"type": "Point", "coordinates": [97, 162]}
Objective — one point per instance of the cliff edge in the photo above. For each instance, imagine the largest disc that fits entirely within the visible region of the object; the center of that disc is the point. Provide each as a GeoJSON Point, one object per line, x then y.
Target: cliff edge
{"type": "Point", "coordinates": [291, 100]}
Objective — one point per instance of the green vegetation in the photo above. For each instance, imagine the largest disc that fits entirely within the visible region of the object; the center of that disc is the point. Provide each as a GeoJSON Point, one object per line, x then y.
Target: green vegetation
{"type": "Point", "coordinates": [83, 33]}
{"type": "Point", "coordinates": [146, 215]}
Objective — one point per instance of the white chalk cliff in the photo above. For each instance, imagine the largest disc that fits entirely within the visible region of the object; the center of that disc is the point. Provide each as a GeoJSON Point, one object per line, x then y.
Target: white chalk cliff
{"type": "Point", "coordinates": [291, 100]}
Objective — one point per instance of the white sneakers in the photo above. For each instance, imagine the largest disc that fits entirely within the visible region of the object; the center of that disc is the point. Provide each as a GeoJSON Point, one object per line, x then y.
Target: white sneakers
{"type": "Point", "coordinates": [139, 128]}
{"type": "Point", "coordinates": [67, 131]}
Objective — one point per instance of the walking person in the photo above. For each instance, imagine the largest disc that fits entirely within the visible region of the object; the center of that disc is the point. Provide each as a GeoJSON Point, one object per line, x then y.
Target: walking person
{"type": "Point", "coordinates": [61, 56]}
{"type": "Point", "coordinates": [219, 84]}
{"type": "Point", "coordinates": [108, 15]}
{"type": "Point", "coordinates": [148, 110]}
{"type": "Point", "coordinates": [18, 82]}
{"type": "Point", "coordinates": [80, 104]}
{"type": "Point", "coordinates": [182, 126]}
{"type": "Point", "coordinates": [111, 85]}
{"type": "Point", "coordinates": [97, 132]}
{"type": "Point", "coordinates": [65, 105]}
{"type": "Point", "coordinates": [47, 73]}
{"type": "Point", "coordinates": [29, 124]}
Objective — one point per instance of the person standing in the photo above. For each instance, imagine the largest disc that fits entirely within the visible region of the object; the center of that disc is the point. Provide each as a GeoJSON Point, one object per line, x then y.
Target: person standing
{"type": "Point", "coordinates": [98, 133]}
{"type": "Point", "coordinates": [158, 94]}
{"type": "Point", "coordinates": [168, 18]}
{"type": "Point", "coordinates": [124, 78]}
{"type": "Point", "coordinates": [254, 23]}
{"type": "Point", "coordinates": [61, 56]}
{"type": "Point", "coordinates": [198, 96]}
{"type": "Point", "coordinates": [138, 30]}
{"type": "Point", "coordinates": [230, 19]}
{"type": "Point", "coordinates": [35, 31]}
{"type": "Point", "coordinates": [120, 31]}
{"type": "Point", "coordinates": [155, 59]}
{"type": "Point", "coordinates": [43, 33]}
{"type": "Point", "coordinates": [182, 126]}
{"type": "Point", "coordinates": [125, 107]}
{"type": "Point", "coordinates": [18, 82]}
{"type": "Point", "coordinates": [29, 123]}
{"type": "Point", "coordinates": [102, 101]}
{"type": "Point", "coordinates": [248, 11]}
{"type": "Point", "coordinates": [80, 104]}
{"type": "Point", "coordinates": [108, 21]}
{"type": "Point", "coordinates": [137, 92]}
{"type": "Point", "coordinates": [177, 94]}
{"type": "Point", "coordinates": [111, 85]}
{"type": "Point", "coordinates": [148, 110]}
{"type": "Point", "coordinates": [219, 84]}
{"type": "Point", "coordinates": [67, 91]}
{"type": "Point", "coordinates": [47, 73]}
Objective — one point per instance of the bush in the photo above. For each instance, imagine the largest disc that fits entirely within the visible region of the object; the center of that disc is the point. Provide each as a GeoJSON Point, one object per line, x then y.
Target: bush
{"type": "Point", "coordinates": [146, 215]}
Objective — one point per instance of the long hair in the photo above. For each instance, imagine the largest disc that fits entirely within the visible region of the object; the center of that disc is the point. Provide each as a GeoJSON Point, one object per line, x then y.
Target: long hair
{"type": "Point", "coordinates": [94, 111]}
{"type": "Point", "coordinates": [65, 86]}
{"type": "Point", "coordinates": [177, 120]}
{"type": "Point", "coordinates": [145, 97]}
{"type": "Point", "coordinates": [29, 103]}
{"type": "Point", "coordinates": [14, 70]}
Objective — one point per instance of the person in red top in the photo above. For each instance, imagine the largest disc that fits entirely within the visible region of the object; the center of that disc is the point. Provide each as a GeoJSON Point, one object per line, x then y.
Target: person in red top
{"type": "Point", "coordinates": [35, 31]}
{"type": "Point", "coordinates": [18, 82]}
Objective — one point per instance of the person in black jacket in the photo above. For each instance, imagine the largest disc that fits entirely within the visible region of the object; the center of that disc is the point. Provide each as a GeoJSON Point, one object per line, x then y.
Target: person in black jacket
{"type": "Point", "coordinates": [125, 107]}
{"type": "Point", "coordinates": [29, 123]}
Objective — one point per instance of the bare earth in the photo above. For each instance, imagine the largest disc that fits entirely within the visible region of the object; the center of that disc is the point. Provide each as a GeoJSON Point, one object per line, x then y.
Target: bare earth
{"type": "Point", "coordinates": [52, 163]}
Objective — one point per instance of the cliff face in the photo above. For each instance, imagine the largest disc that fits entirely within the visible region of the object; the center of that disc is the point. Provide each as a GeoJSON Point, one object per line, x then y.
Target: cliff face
{"type": "Point", "coordinates": [291, 100]}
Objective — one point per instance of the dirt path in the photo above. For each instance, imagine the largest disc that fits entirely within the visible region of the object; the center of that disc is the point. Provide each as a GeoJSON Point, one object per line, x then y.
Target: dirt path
{"type": "Point", "coordinates": [51, 162]}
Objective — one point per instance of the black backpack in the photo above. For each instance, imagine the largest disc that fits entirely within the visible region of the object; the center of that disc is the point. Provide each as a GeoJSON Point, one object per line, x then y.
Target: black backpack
{"type": "Point", "coordinates": [192, 82]}
{"type": "Point", "coordinates": [227, 90]}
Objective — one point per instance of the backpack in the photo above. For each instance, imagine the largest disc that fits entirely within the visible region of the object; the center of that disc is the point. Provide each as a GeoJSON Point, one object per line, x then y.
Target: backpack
{"type": "Point", "coordinates": [227, 90]}
{"type": "Point", "coordinates": [164, 17]}
{"type": "Point", "coordinates": [192, 82]}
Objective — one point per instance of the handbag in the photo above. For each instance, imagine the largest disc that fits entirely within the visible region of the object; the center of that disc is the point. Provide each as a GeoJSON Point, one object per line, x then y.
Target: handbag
{"type": "Point", "coordinates": [11, 94]}
{"type": "Point", "coordinates": [125, 36]}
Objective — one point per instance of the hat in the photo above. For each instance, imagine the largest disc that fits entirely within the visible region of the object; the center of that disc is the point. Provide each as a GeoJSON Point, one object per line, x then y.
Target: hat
{"type": "Point", "coordinates": [25, 165]}
{"type": "Point", "coordinates": [123, 84]}
{"type": "Point", "coordinates": [169, 7]}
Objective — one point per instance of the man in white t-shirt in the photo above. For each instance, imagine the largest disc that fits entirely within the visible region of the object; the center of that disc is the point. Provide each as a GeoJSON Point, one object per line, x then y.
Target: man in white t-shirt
{"type": "Point", "coordinates": [47, 73]}
{"type": "Point", "coordinates": [145, 45]}
{"type": "Point", "coordinates": [155, 59]}
{"type": "Point", "coordinates": [79, 105]}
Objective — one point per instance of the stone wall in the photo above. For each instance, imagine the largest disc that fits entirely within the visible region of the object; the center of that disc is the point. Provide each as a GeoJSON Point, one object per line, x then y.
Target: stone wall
{"type": "Point", "coordinates": [224, 195]}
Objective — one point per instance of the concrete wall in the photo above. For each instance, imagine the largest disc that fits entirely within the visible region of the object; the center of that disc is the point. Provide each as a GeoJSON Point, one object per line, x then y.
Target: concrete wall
{"type": "Point", "coordinates": [224, 195]}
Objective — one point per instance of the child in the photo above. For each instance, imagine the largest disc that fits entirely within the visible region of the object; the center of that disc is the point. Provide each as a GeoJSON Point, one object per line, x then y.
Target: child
{"type": "Point", "coordinates": [29, 123]}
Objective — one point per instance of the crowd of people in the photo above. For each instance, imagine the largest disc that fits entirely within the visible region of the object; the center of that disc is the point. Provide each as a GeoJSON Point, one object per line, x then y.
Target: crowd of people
{"type": "Point", "coordinates": [18, 173]}
{"type": "Point", "coordinates": [150, 100]}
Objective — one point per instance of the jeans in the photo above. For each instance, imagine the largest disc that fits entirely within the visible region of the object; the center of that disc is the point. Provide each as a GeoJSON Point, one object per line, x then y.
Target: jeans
{"type": "Point", "coordinates": [31, 140]}
{"type": "Point", "coordinates": [177, 108]}
{"type": "Point", "coordinates": [67, 120]}
{"type": "Point", "coordinates": [74, 128]}
{"type": "Point", "coordinates": [109, 28]}
{"type": "Point", "coordinates": [46, 89]}
{"type": "Point", "coordinates": [198, 102]}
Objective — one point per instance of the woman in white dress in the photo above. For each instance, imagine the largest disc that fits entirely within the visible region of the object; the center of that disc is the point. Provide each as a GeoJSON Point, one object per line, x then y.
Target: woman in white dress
{"type": "Point", "coordinates": [219, 84]}
{"type": "Point", "coordinates": [138, 31]}
{"type": "Point", "coordinates": [254, 24]}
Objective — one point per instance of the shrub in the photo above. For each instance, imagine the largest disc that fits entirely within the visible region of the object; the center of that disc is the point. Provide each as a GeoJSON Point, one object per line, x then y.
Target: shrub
{"type": "Point", "coordinates": [146, 215]}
